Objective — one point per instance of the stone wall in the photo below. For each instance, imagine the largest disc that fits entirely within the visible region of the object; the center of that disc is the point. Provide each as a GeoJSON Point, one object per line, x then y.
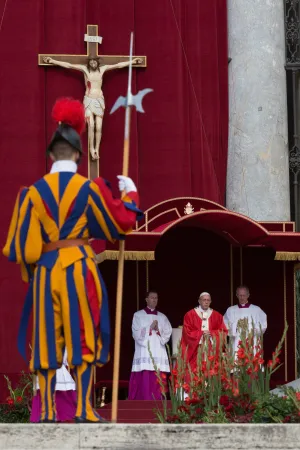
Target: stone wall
{"type": "Point", "coordinates": [149, 436]}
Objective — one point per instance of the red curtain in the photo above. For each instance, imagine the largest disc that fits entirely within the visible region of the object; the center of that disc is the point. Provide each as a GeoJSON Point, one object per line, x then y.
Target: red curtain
{"type": "Point", "coordinates": [178, 148]}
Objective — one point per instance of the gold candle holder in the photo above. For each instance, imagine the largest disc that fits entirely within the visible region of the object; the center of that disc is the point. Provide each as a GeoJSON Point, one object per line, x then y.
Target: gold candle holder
{"type": "Point", "coordinates": [103, 397]}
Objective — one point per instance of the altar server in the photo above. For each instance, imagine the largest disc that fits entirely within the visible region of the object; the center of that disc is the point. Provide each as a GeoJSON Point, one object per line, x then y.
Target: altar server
{"type": "Point", "coordinates": [242, 315]}
{"type": "Point", "coordinates": [149, 327]}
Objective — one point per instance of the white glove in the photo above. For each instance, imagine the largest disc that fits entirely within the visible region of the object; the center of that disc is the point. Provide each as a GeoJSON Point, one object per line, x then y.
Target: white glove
{"type": "Point", "coordinates": [126, 184]}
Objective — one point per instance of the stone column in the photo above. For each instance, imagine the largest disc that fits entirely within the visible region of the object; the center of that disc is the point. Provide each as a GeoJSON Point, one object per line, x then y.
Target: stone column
{"type": "Point", "coordinates": [257, 174]}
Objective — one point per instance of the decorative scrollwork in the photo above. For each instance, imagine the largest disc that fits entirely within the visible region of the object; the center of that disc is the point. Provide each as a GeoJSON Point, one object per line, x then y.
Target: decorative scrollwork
{"type": "Point", "coordinates": [292, 31]}
{"type": "Point", "coordinates": [294, 160]}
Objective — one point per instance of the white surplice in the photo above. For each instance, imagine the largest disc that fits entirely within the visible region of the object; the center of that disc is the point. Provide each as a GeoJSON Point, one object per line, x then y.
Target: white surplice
{"type": "Point", "coordinates": [64, 380]}
{"type": "Point", "coordinates": [142, 334]}
{"type": "Point", "coordinates": [256, 318]}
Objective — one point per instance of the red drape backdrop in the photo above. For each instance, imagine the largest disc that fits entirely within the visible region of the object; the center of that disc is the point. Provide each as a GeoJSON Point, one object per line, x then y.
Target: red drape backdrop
{"type": "Point", "coordinates": [179, 147]}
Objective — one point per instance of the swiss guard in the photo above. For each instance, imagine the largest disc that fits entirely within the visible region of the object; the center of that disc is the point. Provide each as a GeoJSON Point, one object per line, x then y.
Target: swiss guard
{"type": "Point", "coordinates": [48, 236]}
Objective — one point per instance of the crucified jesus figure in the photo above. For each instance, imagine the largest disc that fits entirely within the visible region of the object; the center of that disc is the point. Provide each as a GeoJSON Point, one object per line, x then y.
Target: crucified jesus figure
{"type": "Point", "coordinates": [93, 101]}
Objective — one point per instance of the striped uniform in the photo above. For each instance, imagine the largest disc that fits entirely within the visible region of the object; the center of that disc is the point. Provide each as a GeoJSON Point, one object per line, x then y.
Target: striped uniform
{"type": "Point", "coordinates": [70, 306]}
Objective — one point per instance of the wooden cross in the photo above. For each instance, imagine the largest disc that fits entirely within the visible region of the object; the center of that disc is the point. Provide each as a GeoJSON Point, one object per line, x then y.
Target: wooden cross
{"type": "Point", "coordinates": [92, 40]}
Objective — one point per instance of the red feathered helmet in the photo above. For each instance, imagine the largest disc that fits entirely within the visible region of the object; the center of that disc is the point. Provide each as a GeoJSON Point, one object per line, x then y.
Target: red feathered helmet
{"type": "Point", "coordinates": [69, 115]}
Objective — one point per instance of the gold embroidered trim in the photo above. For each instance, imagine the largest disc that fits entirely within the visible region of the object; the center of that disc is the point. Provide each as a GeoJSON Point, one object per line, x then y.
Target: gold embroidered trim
{"type": "Point", "coordinates": [113, 255]}
{"type": "Point", "coordinates": [287, 256]}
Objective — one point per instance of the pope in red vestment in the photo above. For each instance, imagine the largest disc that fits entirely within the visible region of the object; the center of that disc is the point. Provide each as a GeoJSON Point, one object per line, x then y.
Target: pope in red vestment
{"type": "Point", "coordinates": [199, 324]}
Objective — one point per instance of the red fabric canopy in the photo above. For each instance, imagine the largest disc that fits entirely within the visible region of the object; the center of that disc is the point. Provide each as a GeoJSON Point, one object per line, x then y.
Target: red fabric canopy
{"type": "Point", "coordinates": [238, 229]}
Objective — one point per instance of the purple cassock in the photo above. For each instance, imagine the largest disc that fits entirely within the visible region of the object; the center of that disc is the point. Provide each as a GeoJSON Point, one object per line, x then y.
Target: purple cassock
{"type": "Point", "coordinates": [65, 396]}
{"type": "Point", "coordinates": [65, 402]}
{"type": "Point", "coordinates": [143, 384]}
{"type": "Point", "coordinates": [246, 305]}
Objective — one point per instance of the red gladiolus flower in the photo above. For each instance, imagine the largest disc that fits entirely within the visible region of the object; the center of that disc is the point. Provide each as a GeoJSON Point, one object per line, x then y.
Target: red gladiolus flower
{"type": "Point", "coordinates": [186, 387]}
{"type": "Point", "coordinates": [249, 370]}
{"type": "Point", "coordinates": [224, 400]}
{"type": "Point", "coordinates": [229, 408]}
{"type": "Point", "coordinates": [270, 363]}
{"type": "Point", "coordinates": [298, 395]}
{"type": "Point", "coordinates": [212, 372]}
{"type": "Point", "coordinates": [235, 392]}
{"type": "Point", "coordinates": [10, 401]}
{"type": "Point", "coordinates": [19, 399]}
{"type": "Point", "coordinates": [182, 408]}
{"type": "Point", "coordinates": [163, 376]}
{"type": "Point", "coordinates": [241, 353]}
{"type": "Point", "coordinates": [174, 372]}
{"type": "Point", "coordinates": [211, 358]}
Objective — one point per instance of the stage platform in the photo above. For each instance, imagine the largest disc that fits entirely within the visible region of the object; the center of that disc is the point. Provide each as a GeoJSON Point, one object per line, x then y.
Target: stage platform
{"type": "Point", "coordinates": [149, 436]}
{"type": "Point", "coordinates": [133, 411]}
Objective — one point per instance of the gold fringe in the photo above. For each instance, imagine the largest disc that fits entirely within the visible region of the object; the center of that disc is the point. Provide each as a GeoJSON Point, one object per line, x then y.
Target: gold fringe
{"type": "Point", "coordinates": [287, 256]}
{"type": "Point", "coordinates": [113, 255]}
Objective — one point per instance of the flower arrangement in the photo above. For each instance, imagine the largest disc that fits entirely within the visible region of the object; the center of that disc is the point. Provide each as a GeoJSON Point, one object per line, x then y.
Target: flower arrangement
{"type": "Point", "coordinates": [18, 404]}
{"type": "Point", "coordinates": [227, 388]}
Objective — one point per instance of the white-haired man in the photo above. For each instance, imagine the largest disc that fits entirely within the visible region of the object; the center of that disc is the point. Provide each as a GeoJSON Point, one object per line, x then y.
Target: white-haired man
{"type": "Point", "coordinates": [199, 324]}
{"type": "Point", "coordinates": [242, 315]}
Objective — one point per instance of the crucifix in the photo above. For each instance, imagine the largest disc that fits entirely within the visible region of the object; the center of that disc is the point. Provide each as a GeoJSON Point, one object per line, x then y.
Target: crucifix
{"type": "Point", "coordinates": [93, 67]}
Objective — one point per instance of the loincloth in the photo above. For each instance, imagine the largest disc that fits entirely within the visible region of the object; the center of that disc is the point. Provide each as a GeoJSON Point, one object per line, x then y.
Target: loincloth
{"type": "Point", "coordinates": [95, 105]}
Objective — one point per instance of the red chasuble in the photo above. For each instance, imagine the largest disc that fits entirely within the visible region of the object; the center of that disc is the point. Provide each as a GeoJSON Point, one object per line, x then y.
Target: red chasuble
{"type": "Point", "coordinates": [192, 333]}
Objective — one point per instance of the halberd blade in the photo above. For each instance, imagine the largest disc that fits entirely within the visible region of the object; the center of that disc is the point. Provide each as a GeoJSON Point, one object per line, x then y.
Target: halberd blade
{"type": "Point", "coordinates": [138, 98]}
{"type": "Point", "coordinates": [132, 100]}
{"type": "Point", "coordinates": [121, 101]}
